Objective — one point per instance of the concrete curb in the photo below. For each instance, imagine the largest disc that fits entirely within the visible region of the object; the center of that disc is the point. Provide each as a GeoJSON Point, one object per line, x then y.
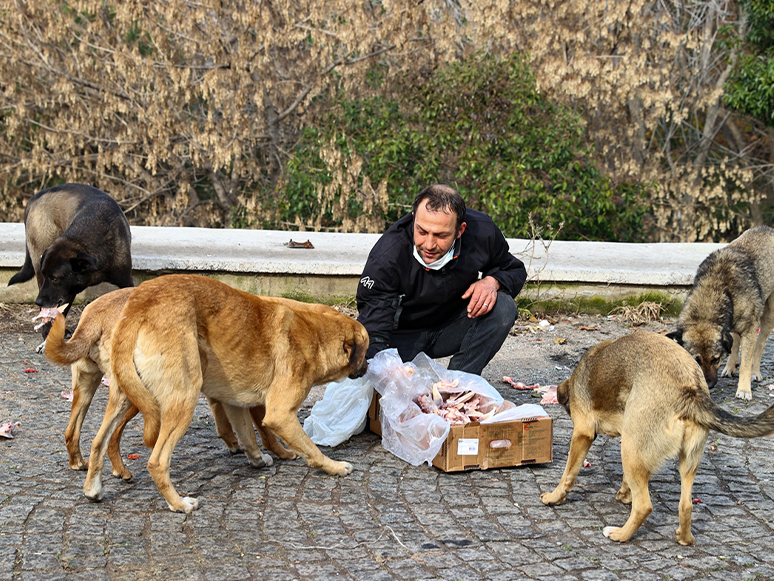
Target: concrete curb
{"type": "Point", "coordinates": [262, 261]}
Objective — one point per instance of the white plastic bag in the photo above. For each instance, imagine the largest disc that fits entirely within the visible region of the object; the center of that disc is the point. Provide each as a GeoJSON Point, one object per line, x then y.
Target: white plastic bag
{"type": "Point", "coordinates": [341, 413]}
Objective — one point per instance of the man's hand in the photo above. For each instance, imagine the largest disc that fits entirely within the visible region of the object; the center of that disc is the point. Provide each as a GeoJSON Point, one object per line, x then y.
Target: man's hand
{"type": "Point", "coordinates": [483, 296]}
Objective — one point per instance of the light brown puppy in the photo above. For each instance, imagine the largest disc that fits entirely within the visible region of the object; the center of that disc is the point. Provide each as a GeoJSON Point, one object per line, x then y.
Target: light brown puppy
{"type": "Point", "coordinates": [730, 309]}
{"type": "Point", "coordinates": [182, 334]}
{"type": "Point", "coordinates": [649, 391]}
{"type": "Point", "coordinates": [88, 354]}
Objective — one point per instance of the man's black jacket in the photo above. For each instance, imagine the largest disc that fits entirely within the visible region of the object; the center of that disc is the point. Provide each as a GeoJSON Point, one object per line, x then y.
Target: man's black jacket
{"type": "Point", "coordinates": [396, 293]}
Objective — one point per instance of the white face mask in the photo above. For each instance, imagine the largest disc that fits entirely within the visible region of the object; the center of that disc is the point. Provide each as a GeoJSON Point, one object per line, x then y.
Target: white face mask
{"type": "Point", "coordinates": [438, 264]}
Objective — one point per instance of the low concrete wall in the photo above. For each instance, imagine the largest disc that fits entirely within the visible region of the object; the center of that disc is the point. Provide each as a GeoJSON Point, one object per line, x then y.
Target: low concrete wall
{"type": "Point", "coordinates": [264, 262]}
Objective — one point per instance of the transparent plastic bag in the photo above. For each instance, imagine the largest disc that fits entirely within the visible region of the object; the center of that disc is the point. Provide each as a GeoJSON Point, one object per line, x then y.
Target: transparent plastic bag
{"type": "Point", "coordinates": [407, 432]}
{"type": "Point", "coordinates": [341, 413]}
{"type": "Point", "coordinates": [416, 439]}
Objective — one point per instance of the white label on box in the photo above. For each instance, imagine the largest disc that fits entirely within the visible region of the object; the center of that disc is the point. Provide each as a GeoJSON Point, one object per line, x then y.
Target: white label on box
{"type": "Point", "coordinates": [467, 447]}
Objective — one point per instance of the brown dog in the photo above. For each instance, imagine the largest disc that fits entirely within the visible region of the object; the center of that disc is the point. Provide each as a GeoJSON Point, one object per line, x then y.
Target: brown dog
{"type": "Point", "coordinates": [182, 334]}
{"type": "Point", "coordinates": [647, 389]}
{"type": "Point", "coordinates": [730, 309]}
{"type": "Point", "coordinates": [88, 354]}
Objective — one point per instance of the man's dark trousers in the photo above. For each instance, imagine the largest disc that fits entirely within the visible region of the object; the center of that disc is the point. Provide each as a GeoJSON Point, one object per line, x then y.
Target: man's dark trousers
{"type": "Point", "coordinates": [471, 342]}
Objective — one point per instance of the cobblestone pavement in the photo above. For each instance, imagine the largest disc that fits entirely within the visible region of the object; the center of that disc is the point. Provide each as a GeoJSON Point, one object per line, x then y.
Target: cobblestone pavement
{"type": "Point", "coordinates": [387, 520]}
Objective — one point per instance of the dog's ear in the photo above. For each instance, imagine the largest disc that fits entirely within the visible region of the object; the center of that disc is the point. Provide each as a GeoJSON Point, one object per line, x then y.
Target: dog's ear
{"type": "Point", "coordinates": [676, 336]}
{"type": "Point", "coordinates": [349, 348]}
{"type": "Point", "coordinates": [355, 348]}
{"type": "Point", "coordinates": [727, 341]}
{"type": "Point", "coordinates": [563, 393]}
{"type": "Point", "coordinates": [83, 263]}
{"type": "Point", "coordinates": [355, 352]}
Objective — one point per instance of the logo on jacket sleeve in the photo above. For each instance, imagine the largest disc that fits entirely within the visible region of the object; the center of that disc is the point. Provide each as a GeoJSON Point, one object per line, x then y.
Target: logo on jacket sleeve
{"type": "Point", "coordinates": [367, 282]}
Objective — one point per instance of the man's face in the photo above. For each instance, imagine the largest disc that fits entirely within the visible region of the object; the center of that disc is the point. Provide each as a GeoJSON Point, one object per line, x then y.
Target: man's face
{"type": "Point", "coordinates": [434, 232]}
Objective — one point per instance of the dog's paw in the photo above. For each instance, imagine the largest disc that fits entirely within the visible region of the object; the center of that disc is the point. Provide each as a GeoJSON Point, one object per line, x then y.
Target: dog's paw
{"type": "Point", "coordinates": [757, 376]}
{"type": "Point", "coordinates": [684, 538]}
{"type": "Point", "coordinates": [232, 444]}
{"type": "Point", "coordinates": [554, 498]}
{"type": "Point", "coordinates": [79, 464]}
{"type": "Point", "coordinates": [188, 504]}
{"type": "Point", "coordinates": [40, 348]}
{"type": "Point", "coordinates": [728, 372]}
{"type": "Point", "coordinates": [124, 474]}
{"type": "Point", "coordinates": [259, 460]}
{"type": "Point", "coordinates": [742, 394]}
{"type": "Point", "coordinates": [93, 490]}
{"type": "Point", "coordinates": [340, 469]}
{"type": "Point", "coordinates": [615, 534]}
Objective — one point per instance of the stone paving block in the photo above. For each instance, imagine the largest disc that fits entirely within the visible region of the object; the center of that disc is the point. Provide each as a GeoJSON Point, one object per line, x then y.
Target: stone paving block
{"type": "Point", "coordinates": [388, 520]}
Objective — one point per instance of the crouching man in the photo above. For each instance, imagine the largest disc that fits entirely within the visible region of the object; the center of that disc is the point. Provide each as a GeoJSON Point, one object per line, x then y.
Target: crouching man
{"type": "Point", "coordinates": [441, 280]}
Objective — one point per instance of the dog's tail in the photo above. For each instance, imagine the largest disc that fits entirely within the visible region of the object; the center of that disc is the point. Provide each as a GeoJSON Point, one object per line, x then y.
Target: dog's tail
{"type": "Point", "coordinates": [701, 409]}
{"type": "Point", "coordinates": [64, 352]}
{"type": "Point", "coordinates": [27, 270]}
{"type": "Point", "coordinates": [125, 373]}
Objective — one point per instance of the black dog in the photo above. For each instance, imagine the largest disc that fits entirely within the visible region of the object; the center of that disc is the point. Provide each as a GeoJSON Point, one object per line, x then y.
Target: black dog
{"type": "Point", "coordinates": [77, 237]}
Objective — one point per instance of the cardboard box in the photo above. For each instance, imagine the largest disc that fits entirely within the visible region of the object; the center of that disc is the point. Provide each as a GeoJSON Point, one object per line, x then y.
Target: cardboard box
{"type": "Point", "coordinates": [469, 446]}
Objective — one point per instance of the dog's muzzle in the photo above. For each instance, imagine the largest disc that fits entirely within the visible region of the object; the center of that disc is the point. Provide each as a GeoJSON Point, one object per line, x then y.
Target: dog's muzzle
{"type": "Point", "coordinates": [359, 372]}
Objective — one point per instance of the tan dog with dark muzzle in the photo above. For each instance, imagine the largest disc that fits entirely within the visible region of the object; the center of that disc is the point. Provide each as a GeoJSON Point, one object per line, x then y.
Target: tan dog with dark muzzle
{"type": "Point", "coordinates": [180, 335]}
{"type": "Point", "coordinates": [88, 355]}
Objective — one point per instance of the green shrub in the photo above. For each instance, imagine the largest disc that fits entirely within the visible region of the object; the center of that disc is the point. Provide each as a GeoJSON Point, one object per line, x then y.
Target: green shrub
{"type": "Point", "coordinates": [482, 127]}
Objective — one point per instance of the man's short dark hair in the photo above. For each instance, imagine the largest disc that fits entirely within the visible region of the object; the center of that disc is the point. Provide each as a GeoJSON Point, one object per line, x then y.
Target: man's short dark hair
{"type": "Point", "coordinates": [441, 198]}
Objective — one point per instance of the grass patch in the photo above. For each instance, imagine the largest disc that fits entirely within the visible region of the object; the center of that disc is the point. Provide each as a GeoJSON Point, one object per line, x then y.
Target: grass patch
{"type": "Point", "coordinates": [332, 301]}
{"type": "Point", "coordinates": [669, 305]}
{"type": "Point", "coordinates": [648, 305]}
{"type": "Point", "coordinates": [300, 296]}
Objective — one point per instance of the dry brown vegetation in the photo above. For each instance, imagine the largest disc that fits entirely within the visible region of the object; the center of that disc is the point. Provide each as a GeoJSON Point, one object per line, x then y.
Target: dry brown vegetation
{"type": "Point", "coordinates": [186, 111]}
{"type": "Point", "coordinates": [637, 315]}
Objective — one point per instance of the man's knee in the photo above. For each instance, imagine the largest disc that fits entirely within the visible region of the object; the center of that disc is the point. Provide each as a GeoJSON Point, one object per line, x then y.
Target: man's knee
{"type": "Point", "coordinates": [486, 336]}
{"type": "Point", "coordinates": [496, 325]}
{"type": "Point", "coordinates": [505, 311]}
